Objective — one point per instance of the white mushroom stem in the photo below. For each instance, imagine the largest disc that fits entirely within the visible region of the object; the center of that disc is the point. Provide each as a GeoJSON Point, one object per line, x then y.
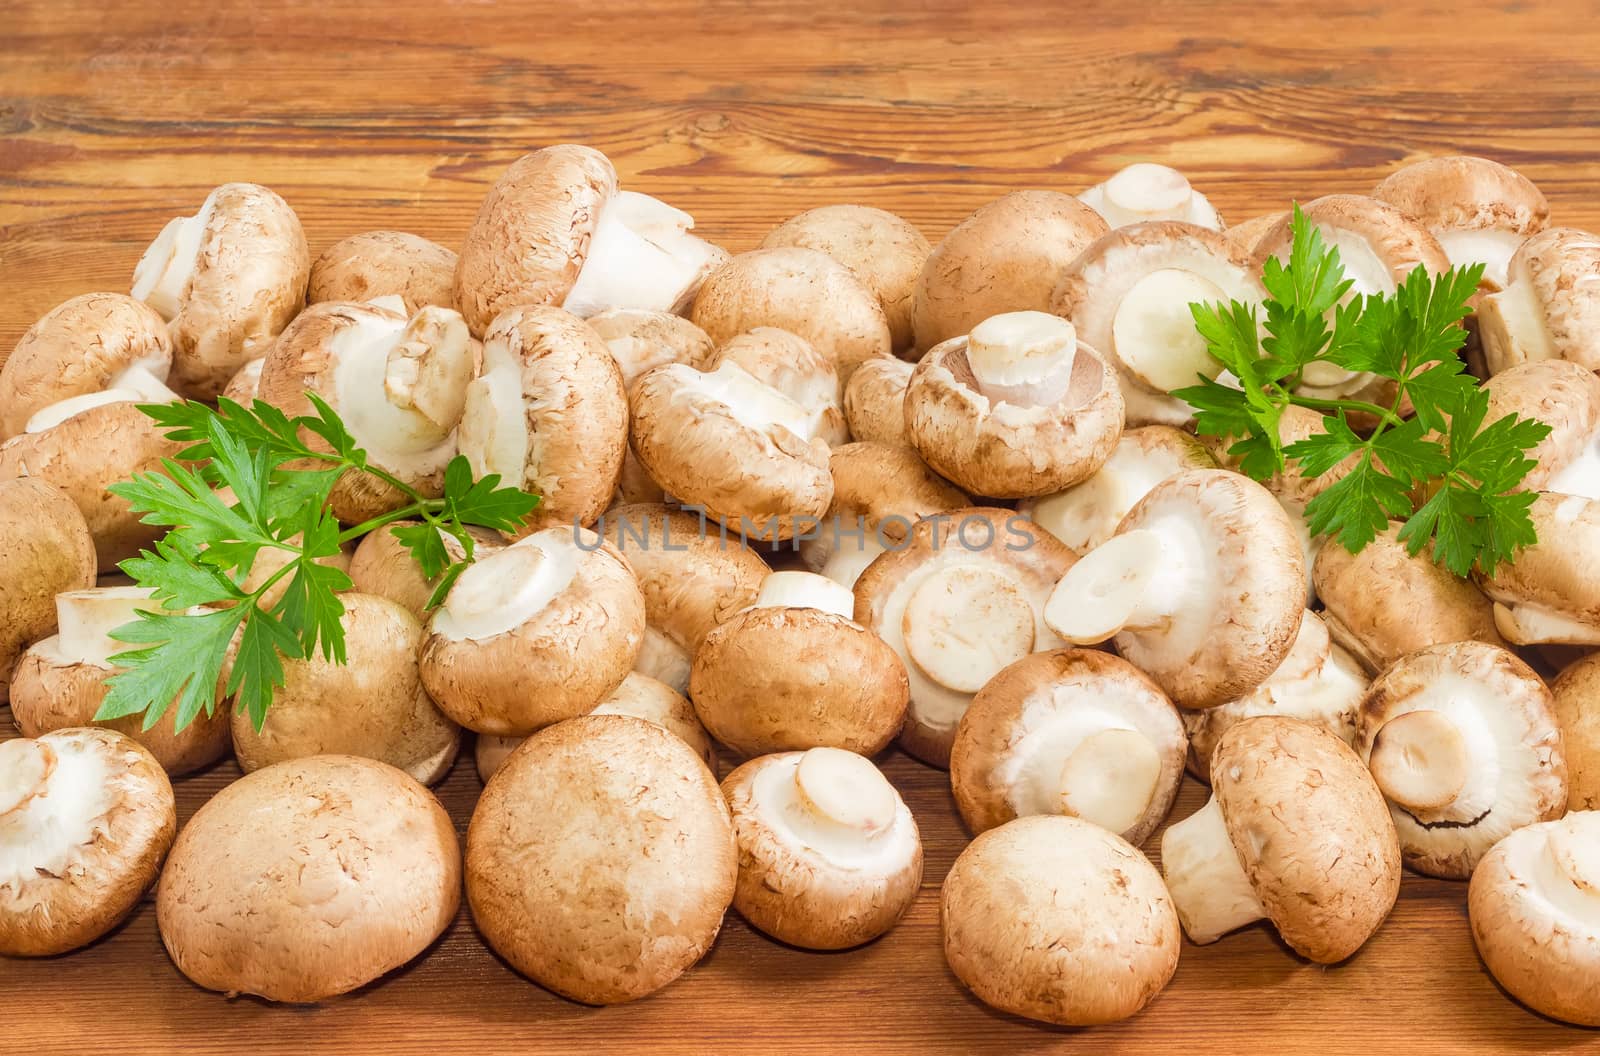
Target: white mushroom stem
{"type": "Point", "coordinates": [504, 589]}
{"type": "Point", "coordinates": [834, 802]}
{"type": "Point", "coordinates": [134, 385]}
{"type": "Point", "coordinates": [1567, 874]}
{"type": "Point", "coordinates": [963, 624]}
{"type": "Point", "coordinates": [494, 421]}
{"type": "Point", "coordinates": [1207, 881]}
{"type": "Point", "coordinates": [1441, 760]}
{"type": "Point", "coordinates": [164, 270]}
{"type": "Point", "coordinates": [846, 561]}
{"type": "Point", "coordinates": [1153, 331]}
{"type": "Point", "coordinates": [1110, 778]}
{"type": "Point", "coordinates": [1137, 581]}
{"type": "Point", "coordinates": [86, 619]}
{"type": "Point", "coordinates": [805, 590]}
{"type": "Point", "coordinates": [1493, 247]}
{"type": "Point", "coordinates": [1087, 514]}
{"type": "Point", "coordinates": [640, 256]}
{"type": "Point", "coordinates": [429, 369]}
{"type": "Point", "coordinates": [749, 401]}
{"type": "Point", "coordinates": [1524, 624]}
{"type": "Point", "coordinates": [1420, 760]}
{"type": "Point", "coordinates": [401, 388]}
{"type": "Point", "coordinates": [25, 768]}
{"type": "Point", "coordinates": [1516, 318]}
{"type": "Point", "coordinates": [1023, 358]}
{"type": "Point", "coordinates": [664, 660]}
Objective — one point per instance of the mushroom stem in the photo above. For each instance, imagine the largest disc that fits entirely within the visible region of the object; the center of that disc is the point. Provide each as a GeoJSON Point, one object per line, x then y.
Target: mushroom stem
{"type": "Point", "coordinates": [1146, 191]}
{"type": "Point", "coordinates": [164, 270]}
{"type": "Point", "coordinates": [1110, 777]}
{"type": "Point", "coordinates": [846, 562]}
{"type": "Point", "coordinates": [401, 390]}
{"type": "Point", "coordinates": [1153, 331]}
{"type": "Point", "coordinates": [640, 256]}
{"type": "Point", "coordinates": [1581, 476]}
{"type": "Point", "coordinates": [964, 623]}
{"type": "Point", "coordinates": [25, 769]}
{"type": "Point", "coordinates": [1420, 760]}
{"type": "Point", "coordinates": [1023, 358]}
{"type": "Point", "coordinates": [1205, 877]}
{"type": "Point", "coordinates": [504, 589]}
{"type": "Point", "coordinates": [134, 385]}
{"type": "Point", "coordinates": [1126, 583]}
{"type": "Point", "coordinates": [1512, 321]}
{"type": "Point", "coordinates": [86, 619]}
{"type": "Point", "coordinates": [842, 792]}
{"type": "Point", "coordinates": [494, 425]}
{"type": "Point", "coordinates": [752, 403]}
{"type": "Point", "coordinates": [1522, 624]}
{"type": "Point", "coordinates": [1568, 874]}
{"type": "Point", "coordinates": [805, 590]}
{"type": "Point", "coordinates": [429, 368]}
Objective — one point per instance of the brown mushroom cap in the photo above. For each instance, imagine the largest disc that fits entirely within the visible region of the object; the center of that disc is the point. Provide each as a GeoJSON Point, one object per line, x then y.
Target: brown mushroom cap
{"type": "Point", "coordinates": [537, 632]}
{"type": "Point", "coordinates": [1384, 603]}
{"type": "Point", "coordinates": [640, 339]}
{"type": "Point", "coordinates": [45, 549]}
{"type": "Point", "coordinates": [79, 347]}
{"type": "Point", "coordinates": [1075, 731]}
{"type": "Point", "coordinates": [373, 705]}
{"type": "Point", "coordinates": [875, 401]}
{"type": "Point", "coordinates": [1550, 304]}
{"type": "Point", "coordinates": [884, 251]}
{"type": "Point", "coordinates": [1478, 209]}
{"type": "Point", "coordinates": [1058, 920]}
{"type": "Point", "coordinates": [601, 859]}
{"type": "Point", "coordinates": [245, 385]}
{"type": "Point", "coordinates": [1003, 258]}
{"type": "Point", "coordinates": [382, 264]}
{"type": "Point", "coordinates": [86, 815]}
{"type": "Point", "coordinates": [308, 879]}
{"type": "Point", "coordinates": [788, 363]}
{"type": "Point", "coordinates": [1566, 397]}
{"type": "Point", "coordinates": [1483, 738]}
{"type": "Point", "coordinates": [829, 855]}
{"type": "Point", "coordinates": [1246, 234]}
{"type": "Point", "coordinates": [1532, 905]}
{"type": "Point", "coordinates": [1576, 692]}
{"type": "Point", "coordinates": [383, 567]}
{"type": "Point", "coordinates": [1551, 591]}
{"type": "Point", "coordinates": [803, 291]}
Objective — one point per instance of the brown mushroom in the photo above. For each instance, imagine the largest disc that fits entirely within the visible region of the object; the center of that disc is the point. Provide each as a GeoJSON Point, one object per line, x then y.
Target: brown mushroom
{"type": "Point", "coordinates": [1549, 305]}
{"type": "Point", "coordinates": [1566, 397]}
{"type": "Point", "coordinates": [788, 364]}
{"type": "Point", "coordinates": [875, 401]}
{"type": "Point", "coordinates": [382, 566]}
{"type": "Point", "coordinates": [1576, 692]}
{"type": "Point", "coordinates": [45, 550]}
{"type": "Point", "coordinates": [1551, 592]}
{"type": "Point", "coordinates": [382, 264]}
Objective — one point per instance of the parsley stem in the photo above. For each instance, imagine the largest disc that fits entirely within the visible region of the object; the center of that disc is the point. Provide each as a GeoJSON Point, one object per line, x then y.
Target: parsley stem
{"type": "Point", "coordinates": [1314, 403]}
{"type": "Point", "coordinates": [423, 508]}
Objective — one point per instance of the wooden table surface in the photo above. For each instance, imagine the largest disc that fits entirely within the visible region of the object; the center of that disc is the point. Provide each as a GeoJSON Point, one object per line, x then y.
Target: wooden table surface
{"type": "Point", "coordinates": [399, 113]}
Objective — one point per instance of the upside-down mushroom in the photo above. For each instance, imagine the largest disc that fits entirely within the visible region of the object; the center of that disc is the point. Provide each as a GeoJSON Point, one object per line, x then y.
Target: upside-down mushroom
{"type": "Point", "coordinates": [1145, 191]}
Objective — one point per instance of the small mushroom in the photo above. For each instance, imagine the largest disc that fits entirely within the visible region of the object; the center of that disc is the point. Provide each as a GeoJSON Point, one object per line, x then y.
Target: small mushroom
{"type": "Point", "coordinates": [555, 230]}
{"type": "Point", "coordinates": [601, 859]}
{"type": "Point", "coordinates": [804, 291]}
{"type": "Point", "coordinates": [1019, 407]}
{"type": "Point", "coordinates": [829, 855]}
{"type": "Point", "coordinates": [1463, 742]}
{"type": "Point", "coordinates": [1534, 906]}
{"type": "Point", "coordinates": [883, 250]}
{"type": "Point", "coordinates": [1075, 731]}
{"type": "Point", "coordinates": [794, 671]}
{"type": "Point", "coordinates": [1383, 602]}
{"type": "Point", "coordinates": [308, 879]}
{"type": "Point", "coordinates": [1144, 192]}
{"type": "Point", "coordinates": [1566, 397]}
{"type": "Point", "coordinates": [383, 567]}
{"type": "Point", "coordinates": [89, 344]}
{"type": "Point", "coordinates": [1003, 258]}
{"type": "Point", "coordinates": [372, 705]}
{"type": "Point", "coordinates": [1087, 514]}
{"type": "Point", "coordinates": [1576, 692]}
{"type": "Point", "coordinates": [385, 264]}
{"type": "Point", "coordinates": [61, 681]}
{"type": "Point", "coordinates": [692, 578]}
{"type": "Point", "coordinates": [45, 549]}
{"type": "Point", "coordinates": [1058, 920]}
{"type": "Point", "coordinates": [1551, 592]}
{"type": "Point", "coordinates": [875, 401]}
{"type": "Point", "coordinates": [1296, 832]}
{"type": "Point", "coordinates": [963, 598]}
{"type": "Point", "coordinates": [227, 280]}
{"type": "Point", "coordinates": [1318, 682]}
{"type": "Point", "coordinates": [1479, 210]}
{"type": "Point", "coordinates": [788, 364]}
{"type": "Point", "coordinates": [1129, 294]}
{"type": "Point", "coordinates": [86, 815]}
{"type": "Point", "coordinates": [1202, 588]}
{"type": "Point", "coordinates": [398, 384]}
{"type": "Point", "coordinates": [1550, 305]}
{"type": "Point", "coordinates": [640, 696]}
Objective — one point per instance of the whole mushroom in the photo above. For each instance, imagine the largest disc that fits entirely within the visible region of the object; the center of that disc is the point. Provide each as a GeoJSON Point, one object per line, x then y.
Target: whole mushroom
{"type": "Point", "coordinates": [875, 401]}
{"type": "Point", "coordinates": [1551, 592]}
{"type": "Point", "coordinates": [384, 264]}
{"type": "Point", "coordinates": [45, 550]}
{"type": "Point", "coordinates": [1549, 305]}
{"type": "Point", "coordinates": [1576, 692]}
{"type": "Point", "coordinates": [1565, 397]}
{"type": "Point", "coordinates": [1145, 191]}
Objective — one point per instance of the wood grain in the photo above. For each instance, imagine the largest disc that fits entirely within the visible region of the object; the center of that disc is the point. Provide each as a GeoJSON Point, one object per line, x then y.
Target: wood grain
{"type": "Point", "coordinates": [114, 118]}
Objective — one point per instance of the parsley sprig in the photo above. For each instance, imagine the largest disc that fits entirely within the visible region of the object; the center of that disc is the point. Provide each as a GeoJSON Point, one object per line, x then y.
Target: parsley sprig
{"type": "Point", "coordinates": [280, 477]}
{"type": "Point", "coordinates": [1464, 474]}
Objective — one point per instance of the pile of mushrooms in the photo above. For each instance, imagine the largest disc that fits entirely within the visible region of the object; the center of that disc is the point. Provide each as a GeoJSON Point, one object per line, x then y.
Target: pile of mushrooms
{"type": "Point", "coordinates": [848, 493]}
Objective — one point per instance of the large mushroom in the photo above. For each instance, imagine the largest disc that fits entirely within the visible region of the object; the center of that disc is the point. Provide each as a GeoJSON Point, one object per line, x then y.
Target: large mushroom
{"type": "Point", "coordinates": [1145, 191]}
{"type": "Point", "coordinates": [1576, 694]}
{"type": "Point", "coordinates": [875, 401]}
{"type": "Point", "coordinates": [45, 549]}
{"type": "Point", "coordinates": [829, 855]}
{"type": "Point", "coordinates": [601, 859]}
{"type": "Point", "coordinates": [1551, 592]}
{"type": "Point", "coordinates": [1296, 832]}
{"type": "Point", "coordinates": [1075, 731]}
{"type": "Point", "coordinates": [1058, 920]}
{"type": "Point", "coordinates": [1550, 304]}
{"type": "Point", "coordinates": [227, 280]}
{"type": "Point", "coordinates": [86, 815]}
{"type": "Point", "coordinates": [788, 364]}
{"type": "Point", "coordinates": [1202, 588]}
{"type": "Point", "coordinates": [1566, 397]}
{"type": "Point", "coordinates": [385, 264]}
{"type": "Point", "coordinates": [308, 879]}
{"type": "Point", "coordinates": [555, 230]}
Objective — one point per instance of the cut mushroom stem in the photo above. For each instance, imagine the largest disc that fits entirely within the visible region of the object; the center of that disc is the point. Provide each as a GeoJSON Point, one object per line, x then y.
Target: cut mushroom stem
{"type": "Point", "coordinates": [1023, 358]}
{"type": "Point", "coordinates": [403, 390]}
{"type": "Point", "coordinates": [1110, 778]}
{"type": "Point", "coordinates": [839, 795]}
{"type": "Point", "coordinates": [164, 271]}
{"type": "Point", "coordinates": [1207, 881]}
{"type": "Point", "coordinates": [805, 590]}
{"type": "Point", "coordinates": [1133, 581]}
{"type": "Point", "coordinates": [1420, 760]}
{"type": "Point", "coordinates": [429, 368]}
{"type": "Point", "coordinates": [134, 385]}
{"type": "Point", "coordinates": [1567, 871]}
{"type": "Point", "coordinates": [508, 587]}
{"type": "Point", "coordinates": [25, 769]}
{"type": "Point", "coordinates": [1154, 332]}
{"type": "Point", "coordinates": [1145, 191]}
{"type": "Point", "coordinates": [964, 623]}
{"type": "Point", "coordinates": [1527, 624]}
{"type": "Point", "coordinates": [641, 256]}
{"type": "Point", "coordinates": [87, 617]}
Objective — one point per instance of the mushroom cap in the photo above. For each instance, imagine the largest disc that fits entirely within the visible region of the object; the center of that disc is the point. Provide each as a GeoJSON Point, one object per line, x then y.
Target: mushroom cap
{"type": "Point", "coordinates": [80, 848]}
{"type": "Point", "coordinates": [382, 264]}
{"type": "Point", "coordinates": [1559, 574]}
{"type": "Point", "coordinates": [249, 281]}
{"type": "Point", "coordinates": [1383, 603]}
{"type": "Point", "coordinates": [79, 347]}
{"type": "Point", "coordinates": [1246, 234]}
{"type": "Point", "coordinates": [1311, 830]}
{"type": "Point", "coordinates": [879, 491]}
{"type": "Point", "coordinates": [1531, 906]}
{"type": "Point", "coordinates": [640, 339]}
{"type": "Point", "coordinates": [875, 401]}
{"type": "Point", "coordinates": [776, 679]}
{"type": "Point", "coordinates": [1318, 682]}
{"type": "Point", "coordinates": [1562, 395]}
{"type": "Point", "coordinates": [787, 363]}
{"type": "Point", "coordinates": [1399, 241]}
{"type": "Point", "coordinates": [45, 549]}
{"type": "Point", "coordinates": [373, 705]}
{"type": "Point", "coordinates": [803, 291]}
{"type": "Point", "coordinates": [336, 854]}
{"type": "Point", "coordinates": [1003, 258]}
{"type": "Point", "coordinates": [601, 859]}
{"type": "Point", "coordinates": [692, 580]}
{"type": "Point", "coordinates": [1000, 448]}
{"type": "Point", "coordinates": [1055, 919]}
{"type": "Point", "coordinates": [817, 889]}
{"type": "Point", "coordinates": [1576, 692]}
{"type": "Point", "coordinates": [1528, 772]}
{"type": "Point", "coordinates": [245, 385]}
{"type": "Point", "coordinates": [531, 235]}
{"type": "Point", "coordinates": [383, 567]}
{"type": "Point", "coordinates": [884, 251]}
{"type": "Point", "coordinates": [1027, 720]}
{"type": "Point", "coordinates": [975, 541]}
{"type": "Point", "coordinates": [1460, 194]}
{"type": "Point", "coordinates": [1550, 304]}
{"type": "Point", "coordinates": [84, 454]}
